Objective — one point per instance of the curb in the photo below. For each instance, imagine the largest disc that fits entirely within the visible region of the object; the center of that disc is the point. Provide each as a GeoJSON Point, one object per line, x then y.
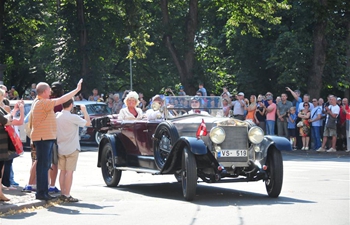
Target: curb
{"type": "Point", "coordinates": [17, 207]}
{"type": "Point", "coordinates": [20, 200]}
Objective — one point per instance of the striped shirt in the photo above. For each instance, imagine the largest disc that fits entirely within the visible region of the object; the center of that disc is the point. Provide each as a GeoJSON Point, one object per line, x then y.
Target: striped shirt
{"type": "Point", "coordinates": [43, 120]}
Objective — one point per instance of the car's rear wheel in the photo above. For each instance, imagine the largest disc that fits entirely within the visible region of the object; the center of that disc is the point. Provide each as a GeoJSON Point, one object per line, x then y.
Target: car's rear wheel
{"type": "Point", "coordinates": [164, 137]}
{"type": "Point", "coordinates": [98, 137]}
{"type": "Point", "coordinates": [275, 173]}
{"type": "Point", "coordinates": [111, 176]}
{"type": "Point", "coordinates": [188, 175]}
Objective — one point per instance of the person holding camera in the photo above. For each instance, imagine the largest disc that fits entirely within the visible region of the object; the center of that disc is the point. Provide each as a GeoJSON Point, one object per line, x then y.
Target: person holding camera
{"type": "Point", "coordinates": [316, 120]}
{"type": "Point", "coordinates": [260, 115]}
{"type": "Point", "coordinates": [330, 129]}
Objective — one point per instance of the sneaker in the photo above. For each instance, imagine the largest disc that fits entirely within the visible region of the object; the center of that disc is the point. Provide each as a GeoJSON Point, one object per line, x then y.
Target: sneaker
{"type": "Point", "coordinates": [14, 183]}
{"type": "Point", "coordinates": [71, 199]}
{"type": "Point", "coordinates": [321, 150]}
{"type": "Point", "coordinates": [53, 190]}
{"type": "Point", "coordinates": [347, 151]}
{"type": "Point", "coordinates": [295, 148]}
{"type": "Point", "coordinates": [27, 188]}
{"type": "Point", "coordinates": [331, 150]}
{"type": "Point", "coordinates": [306, 148]}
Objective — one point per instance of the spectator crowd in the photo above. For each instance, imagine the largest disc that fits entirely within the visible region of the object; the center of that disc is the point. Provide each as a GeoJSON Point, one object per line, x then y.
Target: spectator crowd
{"type": "Point", "coordinates": [309, 124]}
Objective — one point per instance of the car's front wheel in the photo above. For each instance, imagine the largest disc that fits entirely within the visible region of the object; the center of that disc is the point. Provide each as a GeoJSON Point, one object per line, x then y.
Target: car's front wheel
{"type": "Point", "coordinates": [111, 176]}
{"type": "Point", "coordinates": [188, 175]}
{"type": "Point", "coordinates": [275, 173]}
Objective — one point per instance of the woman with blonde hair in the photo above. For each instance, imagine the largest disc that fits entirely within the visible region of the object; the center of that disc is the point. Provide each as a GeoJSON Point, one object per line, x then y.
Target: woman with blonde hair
{"type": "Point", "coordinates": [131, 112]}
{"type": "Point", "coordinates": [251, 109]}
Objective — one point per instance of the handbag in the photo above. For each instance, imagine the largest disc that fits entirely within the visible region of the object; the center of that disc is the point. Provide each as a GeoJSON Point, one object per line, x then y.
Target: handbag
{"type": "Point", "coordinates": [331, 122]}
{"type": "Point", "coordinates": [54, 154]}
{"type": "Point", "coordinates": [300, 124]}
{"type": "Point", "coordinates": [14, 141]}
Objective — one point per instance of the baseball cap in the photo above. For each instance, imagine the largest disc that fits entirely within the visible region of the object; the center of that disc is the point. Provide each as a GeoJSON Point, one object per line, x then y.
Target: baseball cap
{"type": "Point", "coordinates": [241, 93]}
{"type": "Point", "coordinates": [269, 98]}
{"type": "Point", "coordinates": [338, 99]}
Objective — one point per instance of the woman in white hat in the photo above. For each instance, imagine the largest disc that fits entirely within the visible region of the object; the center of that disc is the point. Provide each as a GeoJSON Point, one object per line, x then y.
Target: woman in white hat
{"type": "Point", "coordinates": [131, 112]}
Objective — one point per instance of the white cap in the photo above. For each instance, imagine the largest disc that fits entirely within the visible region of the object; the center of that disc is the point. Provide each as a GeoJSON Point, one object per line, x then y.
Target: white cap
{"type": "Point", "coordinates": [338, 99]}
{"type": "Point", "coordinates": [241, 93]}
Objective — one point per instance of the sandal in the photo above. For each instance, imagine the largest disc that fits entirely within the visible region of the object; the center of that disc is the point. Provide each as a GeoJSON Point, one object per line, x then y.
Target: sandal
{"type": "Point", "coordinates": [71, 199]}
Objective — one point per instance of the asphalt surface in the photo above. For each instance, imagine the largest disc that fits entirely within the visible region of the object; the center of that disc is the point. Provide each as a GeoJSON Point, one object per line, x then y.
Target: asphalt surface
{"type": "Point", "coordinates": [23, 200]}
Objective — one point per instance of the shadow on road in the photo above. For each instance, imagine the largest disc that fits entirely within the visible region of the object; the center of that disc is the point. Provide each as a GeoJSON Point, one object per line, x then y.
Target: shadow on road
{"type": "Point", "coordinates": [208, 195]}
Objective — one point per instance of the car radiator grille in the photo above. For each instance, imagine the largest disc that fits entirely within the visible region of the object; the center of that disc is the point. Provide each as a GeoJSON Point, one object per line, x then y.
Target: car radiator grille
{"type": "Point", "coordinates": [236, 138]}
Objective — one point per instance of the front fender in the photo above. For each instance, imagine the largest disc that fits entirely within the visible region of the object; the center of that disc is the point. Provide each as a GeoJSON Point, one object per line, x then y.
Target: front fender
{"type": "Point", "coordinates": [280, 143]}
{"type": "Point", "coordinates": [173, 162]}
{"type": "Point", "coordinates": [107, 138]}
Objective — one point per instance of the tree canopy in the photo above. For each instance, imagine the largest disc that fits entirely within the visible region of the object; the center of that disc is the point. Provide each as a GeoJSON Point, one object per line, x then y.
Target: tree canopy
{"type": "Point", "coordinates": [251, 46]}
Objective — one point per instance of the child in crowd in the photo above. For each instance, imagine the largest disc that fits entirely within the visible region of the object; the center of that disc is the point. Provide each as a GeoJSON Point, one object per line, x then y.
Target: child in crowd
{"type": "Point", "coordinates": [292, 117]}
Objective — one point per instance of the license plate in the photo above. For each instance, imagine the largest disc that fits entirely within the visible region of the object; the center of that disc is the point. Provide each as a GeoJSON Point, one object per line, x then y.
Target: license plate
{"type": "Point", "coordinates": [232, 153]}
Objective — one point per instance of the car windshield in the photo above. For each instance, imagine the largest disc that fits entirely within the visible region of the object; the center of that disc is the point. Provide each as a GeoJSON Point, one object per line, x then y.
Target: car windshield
{"type": "Point", "coordinates": [93, 109]}
{"type": "Point", "coordinates": [185, 105]}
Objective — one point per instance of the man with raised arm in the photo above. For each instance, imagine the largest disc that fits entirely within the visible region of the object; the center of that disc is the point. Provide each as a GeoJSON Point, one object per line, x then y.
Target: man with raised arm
{"type": "Point", "coordinates": [44, 131]}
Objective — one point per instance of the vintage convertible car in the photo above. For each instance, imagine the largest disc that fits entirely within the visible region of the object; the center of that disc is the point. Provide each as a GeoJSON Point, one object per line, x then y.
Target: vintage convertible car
{"type": "Point", "coordinates": [191, 144]}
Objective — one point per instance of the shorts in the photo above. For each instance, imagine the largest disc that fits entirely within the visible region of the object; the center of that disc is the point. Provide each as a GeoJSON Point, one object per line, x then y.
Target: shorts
{"type": "Point", "coordinates": [329, 132]}
{"type": "Point", "coordinates": [292, 132]}
{"type": "Point", "coordinates": [33, 152]}
{"type": "Point", "coordinates": [68, 162]}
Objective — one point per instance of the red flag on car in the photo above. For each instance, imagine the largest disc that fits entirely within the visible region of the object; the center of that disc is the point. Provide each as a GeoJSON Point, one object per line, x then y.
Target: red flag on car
{"type": "Point", "coordinates": [202, 130]}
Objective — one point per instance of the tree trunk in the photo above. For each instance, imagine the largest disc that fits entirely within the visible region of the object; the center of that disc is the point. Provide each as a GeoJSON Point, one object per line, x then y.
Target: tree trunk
{"type": "Point", "coordinates": [346, 92]}
{"type": "Point", "coordinates": [184, 63]}
{"type": "Point", "coordinates": [2, 12]}
{"type": "Point", "coordinates": [83, 37]}
{"type": "Point", "coordinates": [319, 56]}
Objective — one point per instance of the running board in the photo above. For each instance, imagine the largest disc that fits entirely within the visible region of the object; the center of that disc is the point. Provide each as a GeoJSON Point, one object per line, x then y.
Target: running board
{"type": "Point", "coordinates": [139, 170]}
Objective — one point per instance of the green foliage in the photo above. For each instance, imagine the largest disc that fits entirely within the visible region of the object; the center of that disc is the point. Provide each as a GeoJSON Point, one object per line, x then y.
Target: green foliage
{"type": "Point", "coordinates": [251, 46]}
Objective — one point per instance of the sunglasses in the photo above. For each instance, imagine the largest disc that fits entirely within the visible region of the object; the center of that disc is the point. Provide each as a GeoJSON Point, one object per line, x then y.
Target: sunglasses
{"type": "Point", "coordinates": [194, 101]}
{"type": "Point", "coordinates": [306, 105]}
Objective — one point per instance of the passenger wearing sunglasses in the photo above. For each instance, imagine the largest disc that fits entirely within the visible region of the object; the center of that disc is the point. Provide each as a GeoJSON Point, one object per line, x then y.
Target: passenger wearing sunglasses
{"type": "Point", "coordinates": [304, 131]}
{"type": "Point", "coordinates": [196, 106]}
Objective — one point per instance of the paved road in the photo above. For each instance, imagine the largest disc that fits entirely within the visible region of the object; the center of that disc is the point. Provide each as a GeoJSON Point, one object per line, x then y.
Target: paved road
{"type": "Point", "coordinates": [315, 191]}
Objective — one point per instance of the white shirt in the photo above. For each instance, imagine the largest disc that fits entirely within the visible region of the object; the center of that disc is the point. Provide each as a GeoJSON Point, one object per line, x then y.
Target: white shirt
{"type": "Point", "coordinates": [68, 132]}
{"type": "Point", "coordinates": [335, 109]}
{"type": "Point", "coordinates": [124, 114]}
{"type": "Point", "coordinates": [154, 115]}
{"type": "Point", "coordinates": [201, 112]}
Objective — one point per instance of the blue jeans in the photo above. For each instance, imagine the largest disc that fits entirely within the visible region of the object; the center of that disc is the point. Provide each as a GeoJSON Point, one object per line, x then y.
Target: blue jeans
{"type": "Point", "coordinates": [316, 136]}
{"type": "Point", "coordinates": [270, 127]}
{"type": "Point", "coordinates": [43, 155]}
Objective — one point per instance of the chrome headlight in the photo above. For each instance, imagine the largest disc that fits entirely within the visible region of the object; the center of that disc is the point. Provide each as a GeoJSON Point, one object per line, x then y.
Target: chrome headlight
{"type": "Point", "coordinates": [217, 135]}
{"type": "Point", "coordinates": [256, 135]}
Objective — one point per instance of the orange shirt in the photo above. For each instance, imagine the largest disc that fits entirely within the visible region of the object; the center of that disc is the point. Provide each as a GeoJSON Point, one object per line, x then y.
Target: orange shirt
{"type": "Point", "coordinates": [44, 125]}
{"type": "Point", "coordinates": [250, 115]}
{"type": "Point", "coordinates": [347, 108]}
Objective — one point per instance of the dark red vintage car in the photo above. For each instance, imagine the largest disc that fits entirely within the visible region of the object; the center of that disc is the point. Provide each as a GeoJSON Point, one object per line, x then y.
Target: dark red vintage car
{"type": "Point", "coordinates": [95, 110]}
{"type": "Point", "coordinates": [191, 144]}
